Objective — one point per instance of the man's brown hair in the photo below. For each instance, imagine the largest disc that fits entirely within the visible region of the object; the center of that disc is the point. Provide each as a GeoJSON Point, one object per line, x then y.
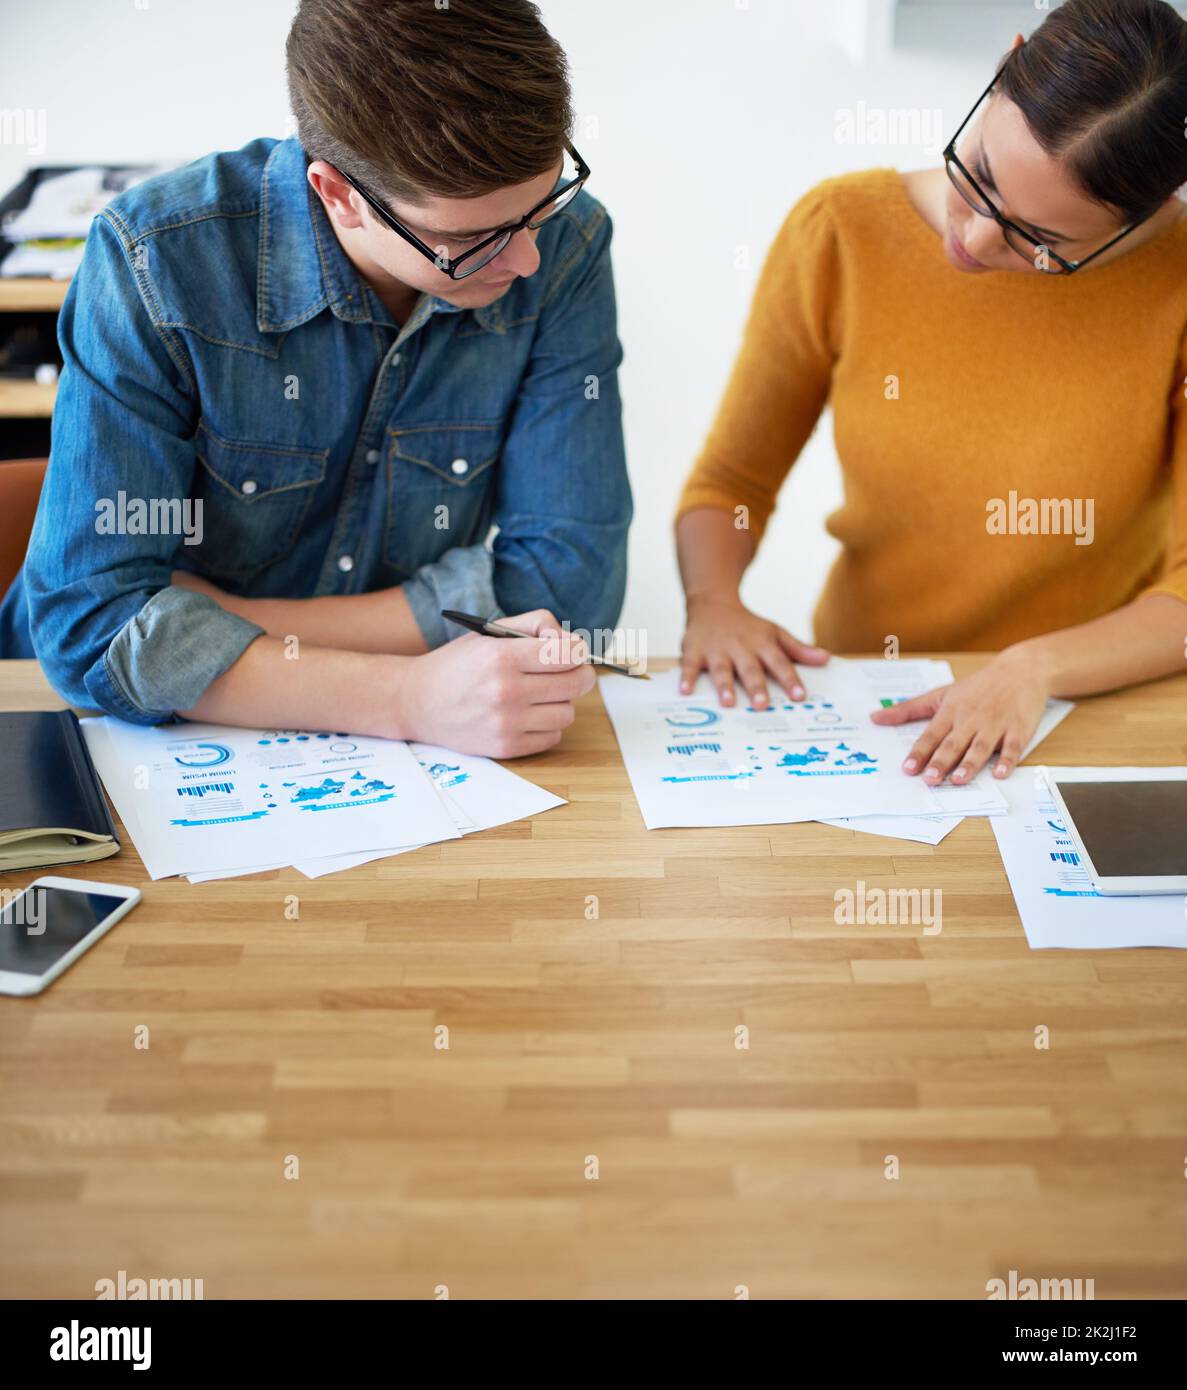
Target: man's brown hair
{"type": "Point", "coordinates": [416, 98]}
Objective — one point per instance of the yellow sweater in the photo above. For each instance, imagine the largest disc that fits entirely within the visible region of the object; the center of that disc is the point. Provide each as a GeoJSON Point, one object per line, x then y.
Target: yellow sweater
{"type": "Point", "coordinates": [982, 422]}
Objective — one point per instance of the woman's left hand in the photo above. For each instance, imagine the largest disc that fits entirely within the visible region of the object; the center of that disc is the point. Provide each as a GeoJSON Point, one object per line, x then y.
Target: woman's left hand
{"type": "Point", "coordinates": [998, 707]}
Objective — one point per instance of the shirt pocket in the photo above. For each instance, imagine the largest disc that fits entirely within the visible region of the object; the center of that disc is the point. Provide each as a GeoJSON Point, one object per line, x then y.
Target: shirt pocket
{"type": "Point", "coordinates": [255, 498]}
{"type": "Point", "coordinates": [439, 489]}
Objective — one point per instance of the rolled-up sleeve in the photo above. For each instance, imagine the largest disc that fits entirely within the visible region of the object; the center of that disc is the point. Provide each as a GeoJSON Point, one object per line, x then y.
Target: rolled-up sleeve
{"type": "Point", "coordinates": [108, 629]}
{"type": "Point", "coordinates": [463, 579]}
{"type": "Point", "coordinates": [564, 499]}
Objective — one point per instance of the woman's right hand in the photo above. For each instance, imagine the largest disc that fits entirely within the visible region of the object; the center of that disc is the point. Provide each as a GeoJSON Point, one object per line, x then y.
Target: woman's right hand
{"type": "Point", "coordinates": [731, 643]}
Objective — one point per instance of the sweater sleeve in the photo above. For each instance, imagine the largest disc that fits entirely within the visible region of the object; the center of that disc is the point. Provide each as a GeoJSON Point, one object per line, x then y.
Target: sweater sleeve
{"type": "Point", "coordinates": [781, 377]}
{"type": "Point", "coordinates": [1174, 577]}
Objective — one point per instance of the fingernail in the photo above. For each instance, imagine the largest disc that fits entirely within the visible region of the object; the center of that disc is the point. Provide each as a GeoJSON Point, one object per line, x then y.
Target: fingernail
{"type": "Point", "coordinates": [959, 775]}
{"type": "Point", "coordinates": [910, 765]}
{"type": "Point", "coordinates": [759, 700]}
{"type": "Point", "coordinates": [1001, 770]}
{"type": "Point", "coordinates": [797, 692]}
{"type": "Point", "coordinates": [727, 697]}
{"type": "Point", "coordinates": [932, 774]}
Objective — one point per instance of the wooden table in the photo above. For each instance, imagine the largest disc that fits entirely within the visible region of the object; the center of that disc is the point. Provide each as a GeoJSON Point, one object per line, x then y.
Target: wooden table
{"type": "Point", "coordinates": [576, 1041]}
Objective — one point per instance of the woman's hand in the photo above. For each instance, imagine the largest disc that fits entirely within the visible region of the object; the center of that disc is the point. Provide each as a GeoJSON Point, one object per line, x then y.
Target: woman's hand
{"type": "Point", "coordinates": [729, 641]}
{"type": "Point", "coordinates": [998, 707]}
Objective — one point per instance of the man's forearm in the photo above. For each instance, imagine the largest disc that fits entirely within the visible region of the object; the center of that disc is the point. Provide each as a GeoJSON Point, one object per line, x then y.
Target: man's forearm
{"type": "Point", "coordinates": [1143, 641]}
{"type": "Point", "coordinates": [378, 622]}
{"type": "Point", "coordinates": [321, 689]}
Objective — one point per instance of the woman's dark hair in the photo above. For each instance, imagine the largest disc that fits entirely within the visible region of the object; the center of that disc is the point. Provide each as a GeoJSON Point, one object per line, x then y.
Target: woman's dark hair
{"type": "Point", "coordinates": [1102, 85]}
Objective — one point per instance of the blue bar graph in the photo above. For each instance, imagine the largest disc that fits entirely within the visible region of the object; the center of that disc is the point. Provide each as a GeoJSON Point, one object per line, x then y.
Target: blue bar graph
{"type": "Point", "coordinates": [208, 789]}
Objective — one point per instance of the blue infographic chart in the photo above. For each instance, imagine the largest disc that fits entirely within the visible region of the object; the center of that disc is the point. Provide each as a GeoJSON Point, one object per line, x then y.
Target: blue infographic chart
{"type": "Point", "coordinates": [809, 742]}
{"type": "Point", "coordinates": [276, 770]}
{"type": "Point", "coordinates": [693, 761]}
{"type": "Point", "coordinates": [202, 798]}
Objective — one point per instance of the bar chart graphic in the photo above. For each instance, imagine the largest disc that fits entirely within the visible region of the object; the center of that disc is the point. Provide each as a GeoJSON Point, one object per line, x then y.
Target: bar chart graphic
{"type": "Point", "coordinates": [208, 789]}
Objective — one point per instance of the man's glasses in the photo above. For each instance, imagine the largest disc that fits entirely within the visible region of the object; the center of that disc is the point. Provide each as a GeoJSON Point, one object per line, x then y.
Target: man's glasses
{"type": "Point", "coordinates": [1029, 247]}
{"type": "Point", "coordinates": [457, 262]}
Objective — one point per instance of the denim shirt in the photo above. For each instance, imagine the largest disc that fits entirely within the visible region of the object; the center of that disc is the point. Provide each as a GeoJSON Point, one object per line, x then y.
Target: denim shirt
{"type": "Point", "coordinates": [220, 347]}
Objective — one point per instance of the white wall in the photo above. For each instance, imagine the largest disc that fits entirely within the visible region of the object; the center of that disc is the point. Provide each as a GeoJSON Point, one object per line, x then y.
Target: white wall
{"type": "Point", "coordinates": [703, 120]}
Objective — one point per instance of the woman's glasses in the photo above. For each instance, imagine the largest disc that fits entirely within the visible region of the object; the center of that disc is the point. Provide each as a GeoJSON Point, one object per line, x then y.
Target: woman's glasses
{"type": "Point", "coordinates": [1029, 247]}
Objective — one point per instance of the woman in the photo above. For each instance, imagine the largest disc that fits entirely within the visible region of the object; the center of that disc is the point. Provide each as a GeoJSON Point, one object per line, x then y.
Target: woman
{"type": "Point", "coordinates": [1002, 342]}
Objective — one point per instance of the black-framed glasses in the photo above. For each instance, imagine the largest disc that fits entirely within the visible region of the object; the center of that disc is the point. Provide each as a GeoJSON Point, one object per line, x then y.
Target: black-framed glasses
{"type": "Point", "coordinates": [466, 262]}
{"type": "Point", "coordinates": [1029, 247]}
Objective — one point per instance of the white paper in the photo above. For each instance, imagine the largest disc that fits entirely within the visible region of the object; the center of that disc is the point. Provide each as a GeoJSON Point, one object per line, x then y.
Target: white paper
{"type": "Point", "coordinates": [894, 681]}
{"type": "Point", "coordinates": [205, 798]}
{"type": "Point", "coordinates": [65, 204]}
{"type": "Point", "coordinates": [477, 792]}
{"type": "Point", "coordinates": [338, 863]}
{"type": "Point", "coordinates": [50, 262]}
{"type": "Point", "coordinates": [1055, 713]}
{"type": "Point", "coordinates": [923, 830]}
{"type": "Point", "coordinates": [213, 875]}
{"type": "Point", "coordinates": [693, 763]}
{"type": "Point", "coordinates": [1054, 895]}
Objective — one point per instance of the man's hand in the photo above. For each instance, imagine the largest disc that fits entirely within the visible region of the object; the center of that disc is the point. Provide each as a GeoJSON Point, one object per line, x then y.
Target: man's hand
{"type": "Point", "coordinates": [501, 697]}
{"type": "Point", "coordinates": [998, 707]}
{"type": "Point", "coordinates": [729, 641]}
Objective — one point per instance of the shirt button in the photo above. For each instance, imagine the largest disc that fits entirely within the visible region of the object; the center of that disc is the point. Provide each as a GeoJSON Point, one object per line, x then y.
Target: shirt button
{"type": "Point", "coordinates": [250, 487]}
{"type": "Point", "coordinates": [372, 455]}
{"type": "Point", "coordinates": [346, 563]}
{"type": "Point", "coordinates": [396, 360]}
{"type": "Point", "coordinates": [460, 466]}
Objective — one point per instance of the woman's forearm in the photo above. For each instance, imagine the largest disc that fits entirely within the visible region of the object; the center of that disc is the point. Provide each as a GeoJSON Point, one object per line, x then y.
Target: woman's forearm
{"type": "Point", "coordinates": [1143, 641]}
{"type": "Point", "coordinates": [713, 553]}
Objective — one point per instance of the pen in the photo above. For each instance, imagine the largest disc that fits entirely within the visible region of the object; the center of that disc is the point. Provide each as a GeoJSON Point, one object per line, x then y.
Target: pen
{"type": "Point", "coordinates": [489, 628]}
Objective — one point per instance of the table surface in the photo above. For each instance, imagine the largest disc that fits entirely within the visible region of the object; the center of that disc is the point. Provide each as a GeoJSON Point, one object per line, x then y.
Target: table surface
{"type": "Point", "coordinates": [294, 1127]}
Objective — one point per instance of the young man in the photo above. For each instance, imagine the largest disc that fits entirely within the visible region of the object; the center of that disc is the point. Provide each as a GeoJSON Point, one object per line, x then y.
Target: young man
{"type": "Point", "coordinates": [303, 380]}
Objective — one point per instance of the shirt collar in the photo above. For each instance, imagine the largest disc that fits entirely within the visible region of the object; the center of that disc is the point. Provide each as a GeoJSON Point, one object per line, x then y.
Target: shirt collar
{"type": "Point", "coordinates": [302, 269]}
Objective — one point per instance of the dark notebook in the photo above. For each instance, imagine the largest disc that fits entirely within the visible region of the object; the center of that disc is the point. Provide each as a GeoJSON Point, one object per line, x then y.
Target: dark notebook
{"type": "Point", "coordinates": [52, 809]}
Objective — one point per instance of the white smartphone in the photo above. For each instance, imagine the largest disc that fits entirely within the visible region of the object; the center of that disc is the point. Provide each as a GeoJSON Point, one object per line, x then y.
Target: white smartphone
{"type": "Point", "coordinates": [1128, 824]}
{"type": "Point", "coordinates": [46, 928]}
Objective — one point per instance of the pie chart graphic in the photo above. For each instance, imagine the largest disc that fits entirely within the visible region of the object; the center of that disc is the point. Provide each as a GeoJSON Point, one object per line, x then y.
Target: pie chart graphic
{"type": "Point", "coordinates": [205, 755]}
{"type": "Point", "coordinates": [691, 717]}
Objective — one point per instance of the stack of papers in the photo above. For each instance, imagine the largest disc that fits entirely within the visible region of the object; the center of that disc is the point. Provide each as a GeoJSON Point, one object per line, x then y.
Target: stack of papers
{"type": "Point", "coordinates": [207, 801]}
{"type": "Point", "coordinates": [694, 763]}
{"type": "Point", "coordinates": [51, 230]}
{"type": "Point", "coordinates": [1052, 890]}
